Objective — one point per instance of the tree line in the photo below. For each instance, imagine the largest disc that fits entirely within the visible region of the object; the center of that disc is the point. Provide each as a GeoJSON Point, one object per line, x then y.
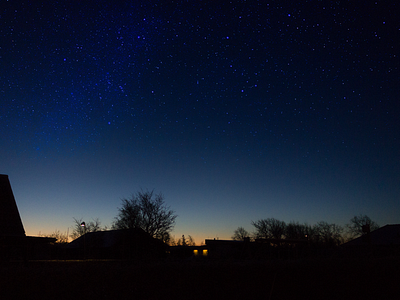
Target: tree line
{"type": "Point", "coordinates": [320, 233]}
{"type": "Point", "coordinates": [148, 211]}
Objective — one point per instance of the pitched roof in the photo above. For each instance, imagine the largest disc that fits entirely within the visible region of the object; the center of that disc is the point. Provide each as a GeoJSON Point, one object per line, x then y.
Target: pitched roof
{"type": "Point", "coordinates": [10, 220]}
{"type": "Point", "coordinates": [98, 239]}
{"type": "Point", "coordinates": [110, 238]}
{"type": "Point", "coordinates": [387, 235]}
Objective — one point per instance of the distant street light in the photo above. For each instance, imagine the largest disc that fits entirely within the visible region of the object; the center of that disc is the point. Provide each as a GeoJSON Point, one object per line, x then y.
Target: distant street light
{"type": "Point", "coordinates": [83, 224]}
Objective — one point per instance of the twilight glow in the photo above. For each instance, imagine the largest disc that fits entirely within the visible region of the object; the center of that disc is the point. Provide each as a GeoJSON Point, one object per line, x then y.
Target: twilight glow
{"type": "Point", "coordinates": [235, 112]}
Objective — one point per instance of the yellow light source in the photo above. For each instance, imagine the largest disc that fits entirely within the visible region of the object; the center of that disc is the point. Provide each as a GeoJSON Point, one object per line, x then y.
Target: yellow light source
{"type": "Point", "coordinates": [205, 252]}
{"type": "Point", "coordinates": [195, 252]}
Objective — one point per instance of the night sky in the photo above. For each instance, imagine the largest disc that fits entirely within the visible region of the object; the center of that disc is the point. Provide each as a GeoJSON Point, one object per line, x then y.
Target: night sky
{"type": "Point", "coordinates": [234, 111]}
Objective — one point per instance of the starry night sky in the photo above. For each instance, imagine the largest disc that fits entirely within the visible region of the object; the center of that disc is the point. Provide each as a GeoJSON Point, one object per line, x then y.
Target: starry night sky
{"type": "Point", "coordinates": [234, 111]}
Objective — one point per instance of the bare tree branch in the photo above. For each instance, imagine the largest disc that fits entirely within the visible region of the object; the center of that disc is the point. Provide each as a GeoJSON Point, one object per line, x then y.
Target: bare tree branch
{"type": "Point", "coordinates": [79, 230]}
{"type": "Point", "coordinates": [240, 234]}
{"type": "Point", "coordinates": [148, 212]}
{"type": "Point", "coordinates": [355, 227]}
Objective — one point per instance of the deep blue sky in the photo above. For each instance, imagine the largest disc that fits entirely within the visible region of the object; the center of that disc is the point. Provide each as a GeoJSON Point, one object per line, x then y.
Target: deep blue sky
{"type": "Point", "coordinates": [235, 112]}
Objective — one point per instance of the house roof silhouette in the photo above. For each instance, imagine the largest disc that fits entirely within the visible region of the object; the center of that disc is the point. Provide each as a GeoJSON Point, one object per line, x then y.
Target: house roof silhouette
{"type": "Point", "coordinates": [10, 220]}
{"type": "Point", "coordinates": [12, 232]}
{"type": "Point", "coordinates": [116, 244]}
{"type": "Point", "coordinates": [109, 238]}
{"type": "Point", "coordinates": [388, 235]}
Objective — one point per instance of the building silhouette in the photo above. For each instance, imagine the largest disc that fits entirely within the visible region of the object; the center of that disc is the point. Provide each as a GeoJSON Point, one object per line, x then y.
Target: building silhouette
{"type": "Point", "coordinates": [14, 244]}
{"type": "Point", "coordinates": [125, 244]}
{"type": "Point", "coordinates": [384, 241]}
{"type": "Point", "coordinates": [10, 220]}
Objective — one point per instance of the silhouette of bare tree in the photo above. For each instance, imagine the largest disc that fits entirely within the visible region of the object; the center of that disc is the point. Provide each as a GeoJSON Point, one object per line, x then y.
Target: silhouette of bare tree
{"type": "Point", "coordinates": [80, 228]}
{"type": "Point", "coordinates": [297, 231]}
{"type": "Point", "coordinates": [269, 228]}
{"type": "Point", "coordinates": [62, 238]}
{"type": "Point", "coordinates": [359, 225]}
{"type": "Point", "coordinates": [147, 211]}
{"type": "Point", "coordinates": [327, 234]}
{"type": "Point", "coordinates": [240, 234]}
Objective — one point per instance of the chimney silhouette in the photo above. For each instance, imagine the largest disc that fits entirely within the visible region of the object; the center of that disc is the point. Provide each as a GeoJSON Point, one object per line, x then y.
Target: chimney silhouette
{"type": "Point", "coordinates": [10, 220]}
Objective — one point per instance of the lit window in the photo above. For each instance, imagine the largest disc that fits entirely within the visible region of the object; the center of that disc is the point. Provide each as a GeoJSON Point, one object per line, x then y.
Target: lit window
{"type": "Point", "coordinates": [205, 252]}
{"type": "Point", "coordinates": [195, 252]}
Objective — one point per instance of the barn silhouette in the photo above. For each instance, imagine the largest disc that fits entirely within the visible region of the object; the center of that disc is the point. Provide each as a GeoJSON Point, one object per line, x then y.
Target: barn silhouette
{"type": "Point", "coordinates": [10, 220]}
{"type": "Point", "coordinates": [14, 244]}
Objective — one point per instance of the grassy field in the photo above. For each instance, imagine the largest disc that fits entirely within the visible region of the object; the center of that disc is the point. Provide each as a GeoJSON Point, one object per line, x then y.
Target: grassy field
{"type": "Point", "coordinates": [308, 279]}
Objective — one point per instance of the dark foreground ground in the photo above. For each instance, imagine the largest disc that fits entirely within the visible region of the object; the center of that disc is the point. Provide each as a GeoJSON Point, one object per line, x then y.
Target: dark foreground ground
{"type": "Point", "coordinates": [308, 279]}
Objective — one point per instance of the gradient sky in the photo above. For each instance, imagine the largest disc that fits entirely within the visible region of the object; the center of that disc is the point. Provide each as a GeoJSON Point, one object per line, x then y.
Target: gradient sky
{"type": "Point", "coordinates": [235, 112]}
